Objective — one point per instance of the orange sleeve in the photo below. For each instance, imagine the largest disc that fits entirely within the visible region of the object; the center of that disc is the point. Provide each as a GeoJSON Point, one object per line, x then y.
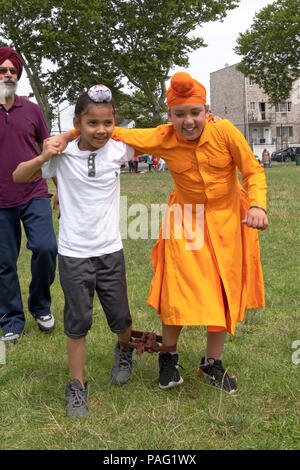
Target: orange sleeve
{"type": "Point", "coordinates": [75, 133]}
{"type": "Point", "coordinates": [151, 141]}
{"type": "Point", "coordinates": [253, 175]}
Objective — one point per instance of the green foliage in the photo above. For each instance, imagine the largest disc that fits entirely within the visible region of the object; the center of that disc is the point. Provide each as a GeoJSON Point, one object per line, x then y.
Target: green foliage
{"type": "Point", "coordinates": [20, 24]}
{"type": "Point", "coordinates": [136, 42]}
{"type": "Point", "coordinates": [116, 42]}
{"type": "Point", "coordinates": [271, 49]}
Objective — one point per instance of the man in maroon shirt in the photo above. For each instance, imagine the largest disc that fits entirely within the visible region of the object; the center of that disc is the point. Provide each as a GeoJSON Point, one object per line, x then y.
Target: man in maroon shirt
{"type": "Point", "coordinates": [22, 128]}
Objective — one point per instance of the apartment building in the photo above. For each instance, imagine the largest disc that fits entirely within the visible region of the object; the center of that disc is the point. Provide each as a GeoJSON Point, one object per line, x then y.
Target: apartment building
{"type": "Point", "coordinates": [237, 98]}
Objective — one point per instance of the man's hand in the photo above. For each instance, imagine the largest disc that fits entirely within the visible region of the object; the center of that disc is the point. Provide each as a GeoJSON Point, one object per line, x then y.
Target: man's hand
{"type": "Point", "coordinates": [256, 218]}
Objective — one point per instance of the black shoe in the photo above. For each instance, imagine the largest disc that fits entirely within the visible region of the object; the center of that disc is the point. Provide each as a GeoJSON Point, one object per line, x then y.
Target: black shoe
{"type": "Point", "coordinates": [76, 399]}
{"type": "Point", "coordinates": [214, 370]}
{"type": "Point", "coordinates": [168, 370]}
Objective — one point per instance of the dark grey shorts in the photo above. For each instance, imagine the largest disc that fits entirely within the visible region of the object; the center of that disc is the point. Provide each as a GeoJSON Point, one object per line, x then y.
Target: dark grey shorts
{"type": "Point", "coordinates": [80, 278]}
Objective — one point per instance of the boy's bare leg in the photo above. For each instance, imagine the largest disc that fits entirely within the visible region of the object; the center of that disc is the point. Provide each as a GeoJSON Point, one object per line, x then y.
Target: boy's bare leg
{"type": "Point", "coordinates": [76, 357]}
{"type": "Point", "coordinates": [212, 367]}
{"type": "Point", "coordinates": [170, 334]}
{"type": "Point", "coordinates": [124, 338]}
{"type": "Point", "coordinates": [215, 344]}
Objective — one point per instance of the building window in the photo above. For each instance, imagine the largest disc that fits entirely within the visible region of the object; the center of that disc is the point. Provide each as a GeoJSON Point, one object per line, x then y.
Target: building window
{"type": "Point", "coordinates": [252, 105]}
{"type": "Point", "coordinates": [251, 81]}
{"type": "Point", "coordinates": [225, 110]}
{"type": "Point", "coordinates": [284, 131]}
{"type": "Point", "coordinates": [262, 111]}
{"type": "Point", "coordinates": [284, 107]}
{"type": "Point", "coordinates": [254, 136]}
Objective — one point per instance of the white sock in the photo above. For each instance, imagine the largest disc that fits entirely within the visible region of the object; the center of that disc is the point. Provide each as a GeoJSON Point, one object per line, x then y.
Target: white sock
{"type": "Point", "coordinates": [206, 361]}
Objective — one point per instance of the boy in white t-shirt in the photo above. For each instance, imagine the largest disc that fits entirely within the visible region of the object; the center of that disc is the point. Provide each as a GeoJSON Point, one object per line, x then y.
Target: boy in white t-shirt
{"type": "Point", "coordinates": [90, 246]}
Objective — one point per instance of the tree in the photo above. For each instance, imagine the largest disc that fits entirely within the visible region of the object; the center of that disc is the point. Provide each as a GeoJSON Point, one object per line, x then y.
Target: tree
{"type": "Point", "coordinates": [271, 49]}
{"type": "Point", "coordinates": [19, 28]}
{"type": "Point", "coordinates": [137, 41]}
{"type": "Point", "coordinates": [129, 45]}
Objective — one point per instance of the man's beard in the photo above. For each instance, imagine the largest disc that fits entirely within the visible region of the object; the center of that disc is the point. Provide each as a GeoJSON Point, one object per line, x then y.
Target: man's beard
{"type": "Point", "coordinates": [7, 91]}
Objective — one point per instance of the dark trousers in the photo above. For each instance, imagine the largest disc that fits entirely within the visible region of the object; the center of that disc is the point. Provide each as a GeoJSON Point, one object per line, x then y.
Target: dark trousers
{"type": "Point", "coordinates": [130, 164]}
{"type": "Point", "coordinates": [36, 216]}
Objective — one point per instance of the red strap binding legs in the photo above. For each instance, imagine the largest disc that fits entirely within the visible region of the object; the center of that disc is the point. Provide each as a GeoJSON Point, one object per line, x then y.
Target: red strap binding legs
{"type": "Point", "coordinates": [145, 341]}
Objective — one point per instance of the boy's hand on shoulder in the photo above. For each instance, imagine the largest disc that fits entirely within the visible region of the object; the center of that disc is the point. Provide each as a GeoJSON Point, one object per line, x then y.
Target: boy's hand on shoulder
{"type": "Point", "coordinates": [50, 148]}
{"type": "Point", "coordinates": [61, 140]}
{"type": "Point", "coordinates": [212, 117]}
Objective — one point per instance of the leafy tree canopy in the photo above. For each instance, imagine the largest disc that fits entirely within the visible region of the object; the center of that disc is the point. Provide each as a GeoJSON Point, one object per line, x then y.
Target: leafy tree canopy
{"type": "Point", "coordinates": [271, 49]}
{"type": "Point", "coordinates": [129, 45]}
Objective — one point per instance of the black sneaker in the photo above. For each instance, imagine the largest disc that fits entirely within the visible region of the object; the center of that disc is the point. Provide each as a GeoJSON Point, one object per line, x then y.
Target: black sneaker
{"type": "Point", "coordinates": [214, 370]}
{"type": "Point", "coordinates": [168, 370]}
{"type": "Point", "coordinates": [121, 370]}
{"type": "Point", "coordinates": [76, 398]}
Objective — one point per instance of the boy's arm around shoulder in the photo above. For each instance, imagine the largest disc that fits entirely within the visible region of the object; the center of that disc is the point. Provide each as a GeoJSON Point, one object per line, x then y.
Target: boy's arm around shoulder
{"type": "Point", "coordinates": [151, 141]}
{"type": "Point", "coordinates": [31, 169]}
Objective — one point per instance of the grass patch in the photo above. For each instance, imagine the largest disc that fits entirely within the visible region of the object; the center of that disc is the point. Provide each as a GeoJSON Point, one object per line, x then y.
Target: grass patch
{"type": "Point", "coordinates": [265, 413]}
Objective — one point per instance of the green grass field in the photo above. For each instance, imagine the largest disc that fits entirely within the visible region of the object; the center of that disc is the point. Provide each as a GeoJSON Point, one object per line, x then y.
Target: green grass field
{"type": "Point", "coordinates": [264, 414]}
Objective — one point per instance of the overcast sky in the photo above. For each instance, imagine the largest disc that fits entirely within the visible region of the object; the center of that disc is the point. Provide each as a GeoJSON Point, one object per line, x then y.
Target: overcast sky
{"type": "Point", "coordinates": [220, 39]}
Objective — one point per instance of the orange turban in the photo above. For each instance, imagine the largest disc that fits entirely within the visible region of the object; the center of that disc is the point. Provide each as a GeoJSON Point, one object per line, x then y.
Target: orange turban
{"type": "Point", "coordinates": [185, 90]}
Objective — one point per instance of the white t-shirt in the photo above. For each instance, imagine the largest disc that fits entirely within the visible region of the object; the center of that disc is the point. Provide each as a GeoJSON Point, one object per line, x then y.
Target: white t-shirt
{"type": "Point", "coordinates": [89, 205]}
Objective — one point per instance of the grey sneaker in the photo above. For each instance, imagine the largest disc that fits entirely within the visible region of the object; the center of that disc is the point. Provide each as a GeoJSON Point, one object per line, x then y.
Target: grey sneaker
{"type": "Point", "coordinates": [121, 370]}
{"type": "Point", "coordinates": [45, 322]}
{"type": "Point", "coordinates": [76, 398]}
{"type": "Point", "coordinates": [10, 337]}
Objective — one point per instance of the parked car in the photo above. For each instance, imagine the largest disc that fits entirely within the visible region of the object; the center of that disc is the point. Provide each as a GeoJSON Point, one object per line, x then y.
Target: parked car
{"type": "Point", "coordinates": [143, 158]}
{"type": "Point", "coordinates": [286, 155]}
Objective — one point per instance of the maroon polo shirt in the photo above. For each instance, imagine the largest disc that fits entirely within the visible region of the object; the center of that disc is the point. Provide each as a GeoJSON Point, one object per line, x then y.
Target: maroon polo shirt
{"type": "Point", "coordinates": [20, 127]}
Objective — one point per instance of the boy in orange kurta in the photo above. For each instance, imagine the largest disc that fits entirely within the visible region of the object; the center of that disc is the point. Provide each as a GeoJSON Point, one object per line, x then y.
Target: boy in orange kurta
{"type": "Point", "coordinates": [211, 273]}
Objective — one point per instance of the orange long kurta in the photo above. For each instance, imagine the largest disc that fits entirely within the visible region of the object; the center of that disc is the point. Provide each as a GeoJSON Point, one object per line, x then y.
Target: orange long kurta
{"type": "Point", "coordinates": [188, 285]}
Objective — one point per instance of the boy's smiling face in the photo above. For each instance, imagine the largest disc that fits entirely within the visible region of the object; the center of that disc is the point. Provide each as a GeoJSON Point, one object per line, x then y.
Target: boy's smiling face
{"type": "Point", "coordinates": [188, 120]}
{"type": "Point", "coordinates": [96, 124]}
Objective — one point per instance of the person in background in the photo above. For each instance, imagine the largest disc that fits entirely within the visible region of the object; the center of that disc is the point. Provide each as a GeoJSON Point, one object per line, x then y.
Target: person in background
{"type": "Point", "coordinates": [135, 163]}
{"type": "Point", "coordinates": [155, 163]}
{"type": "Point", "coordinates": [130, 166]}
{"type": "Point", "coordinates": [150, 162]}
{"type": "Point", "coordinates": [22, 125]}
{"type": "Point", "coordinates": [161, 164]}
{"type": "Point", "coordinates": [266, 159]}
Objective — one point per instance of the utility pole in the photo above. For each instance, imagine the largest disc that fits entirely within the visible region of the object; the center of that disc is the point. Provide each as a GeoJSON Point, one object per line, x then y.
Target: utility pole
{"type": "Point", "coordinates": [58, 119]}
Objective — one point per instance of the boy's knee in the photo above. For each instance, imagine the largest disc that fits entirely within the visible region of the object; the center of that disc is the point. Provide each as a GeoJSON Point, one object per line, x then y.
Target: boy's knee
{"type": "Point", "coordinates": [78, 328]}
{"type": "Point", "coordinates": [72, 336]}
